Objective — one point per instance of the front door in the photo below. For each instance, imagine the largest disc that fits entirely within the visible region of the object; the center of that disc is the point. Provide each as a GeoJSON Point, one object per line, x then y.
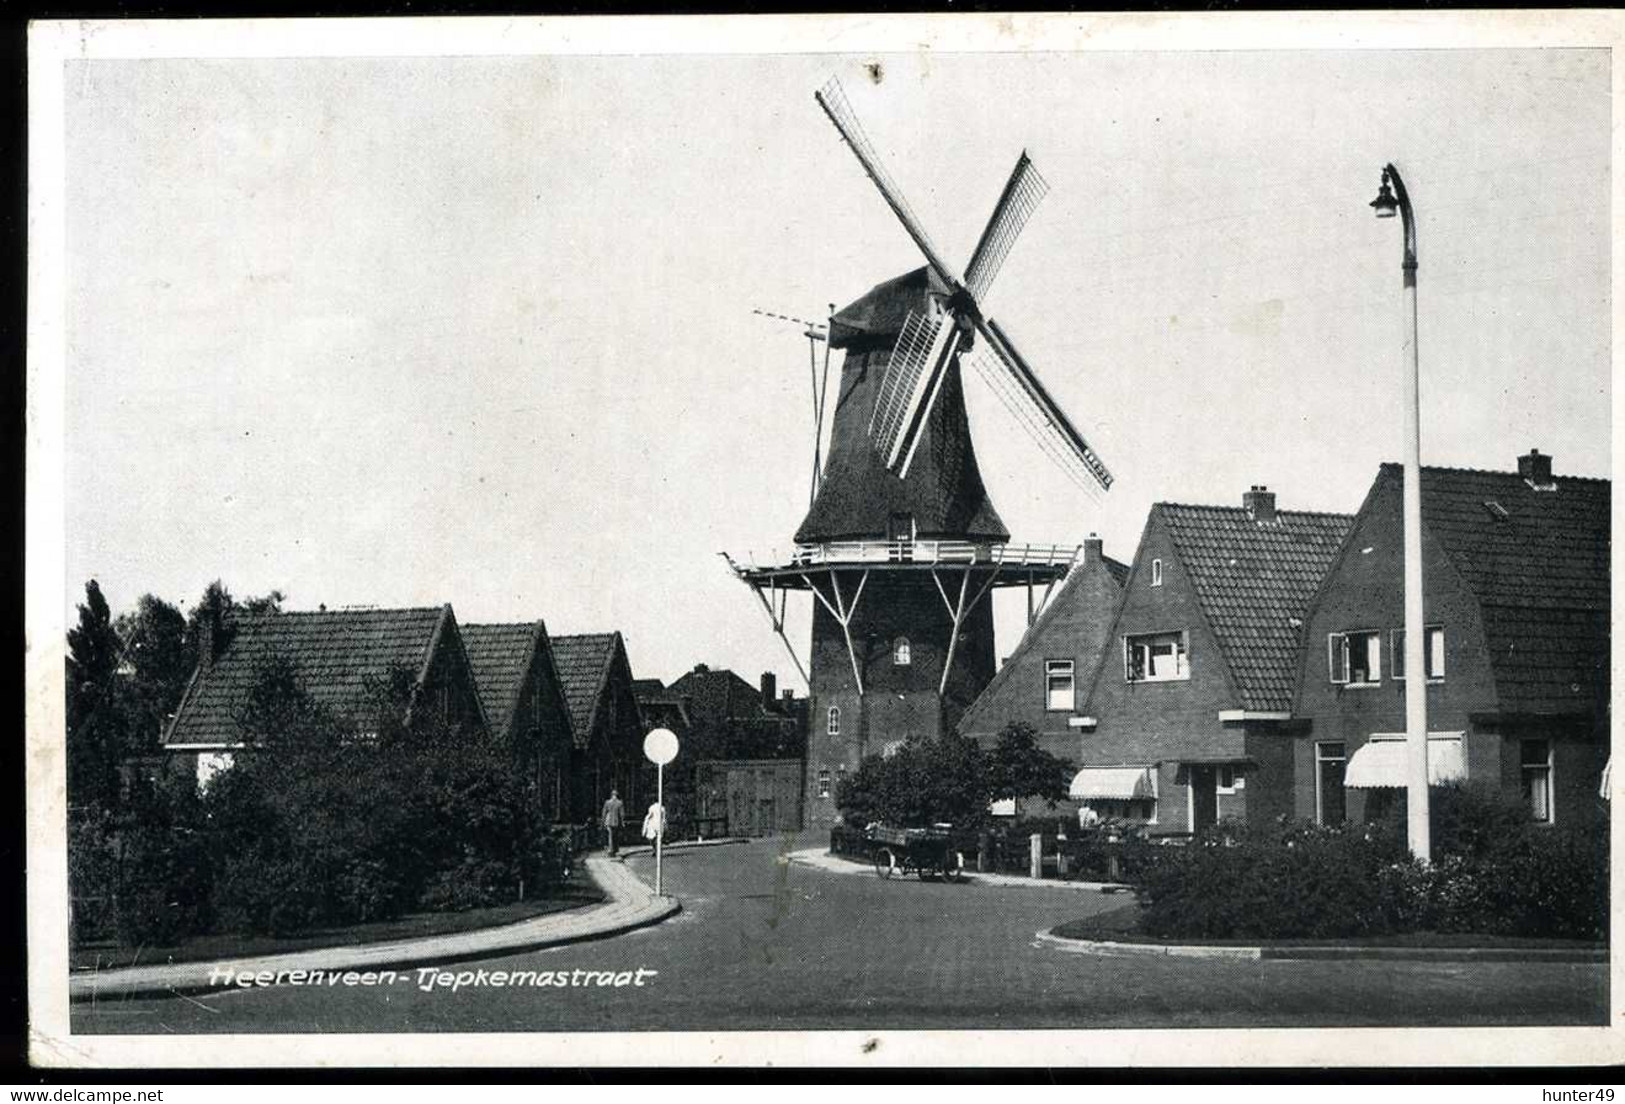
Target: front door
{"type": "Point", "coordinates": [1204, 783]}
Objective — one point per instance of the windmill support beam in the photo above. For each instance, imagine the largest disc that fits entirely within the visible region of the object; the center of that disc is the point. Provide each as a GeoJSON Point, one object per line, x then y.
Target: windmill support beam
{"type": "Point", "coordinates": [958, 610]}
{"type": "Point", "coordinates": [843, 613]}
{"type": "Point", "coordinates": [776, 607]}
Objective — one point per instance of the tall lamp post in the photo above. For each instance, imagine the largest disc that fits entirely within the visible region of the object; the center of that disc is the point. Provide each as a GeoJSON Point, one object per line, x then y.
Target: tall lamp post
{"type": "Point", "coordinates": [1387, 204]}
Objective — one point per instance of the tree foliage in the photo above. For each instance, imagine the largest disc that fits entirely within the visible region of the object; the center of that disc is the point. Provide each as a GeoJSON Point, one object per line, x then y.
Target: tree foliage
{"type": "Point", "coordinates": [1018, 767]}
{"type": "Point", "coordinates": [98, 723]}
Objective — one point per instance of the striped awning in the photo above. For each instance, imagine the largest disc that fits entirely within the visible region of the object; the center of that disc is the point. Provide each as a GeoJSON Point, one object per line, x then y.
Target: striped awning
{"type": "Point", "coordinates": [1114, 784]}
{"type": "Point", "coordinates": [1380, 764]}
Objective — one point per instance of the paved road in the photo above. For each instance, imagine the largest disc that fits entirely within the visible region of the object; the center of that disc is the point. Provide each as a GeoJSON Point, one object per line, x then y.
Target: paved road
{"type": "Point", "coordinates": [762, 944]}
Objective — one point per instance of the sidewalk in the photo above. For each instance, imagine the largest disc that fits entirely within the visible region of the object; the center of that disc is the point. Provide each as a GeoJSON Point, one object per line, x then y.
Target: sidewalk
{"type": "Point", "coordinates": [628, 904]}
{"type": "Point", "coordinates": [821, 859]}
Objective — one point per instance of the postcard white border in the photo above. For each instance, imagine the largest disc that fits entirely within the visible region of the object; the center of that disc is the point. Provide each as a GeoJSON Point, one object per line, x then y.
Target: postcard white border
{"type": "Point", "coordinates": [52, 44]}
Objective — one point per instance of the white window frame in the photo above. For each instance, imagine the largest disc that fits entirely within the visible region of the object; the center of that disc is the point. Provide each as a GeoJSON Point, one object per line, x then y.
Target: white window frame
{"type": "Point", "coordinates": [1156, 573]}
{"type": "Point", "coordinates": [1551, 776]}
{"type": "Point", "coordinates": [1320, 757]}
{"type": "Point", "coordinates": [1054, 669]}
{"type": "Point", "coordinates": [902, 653]}
{"type": "Point", "coordinates": [1218, 779]}
{"type": "Point", "coordinates": [1182, 656]}
{"type": "Point", "coordinates": [1396, 650]}
{"type": "Point", "coordinates": [825, 782]}
{"type": "Point", "coordinates": [832, 723]}
{"type": "Point", "coordinates": [1339, 659]}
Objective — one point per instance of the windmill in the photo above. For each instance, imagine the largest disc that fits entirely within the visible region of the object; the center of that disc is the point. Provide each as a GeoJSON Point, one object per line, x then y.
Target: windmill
{"type": "Point", "coordinates": [901, 544]}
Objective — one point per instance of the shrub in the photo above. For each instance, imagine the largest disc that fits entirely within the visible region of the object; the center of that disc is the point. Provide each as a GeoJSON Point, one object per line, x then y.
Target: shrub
{"type": "Point", "coordinates": [1307, 881]}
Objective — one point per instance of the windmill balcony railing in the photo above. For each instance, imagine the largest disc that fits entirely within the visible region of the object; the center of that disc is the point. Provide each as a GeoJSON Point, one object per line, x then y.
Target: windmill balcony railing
{"type": "Point", "coordinates": [946, 552]}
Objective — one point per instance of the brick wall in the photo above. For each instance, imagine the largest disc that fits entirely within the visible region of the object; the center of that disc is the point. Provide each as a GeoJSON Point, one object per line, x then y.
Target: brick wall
{"type": "Point", "coordinates": [899, 700]}
{"type": "Point", "coordinates": [1075, 627]}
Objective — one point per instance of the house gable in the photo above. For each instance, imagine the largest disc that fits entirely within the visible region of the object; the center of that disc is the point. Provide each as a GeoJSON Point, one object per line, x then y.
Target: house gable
{"type": "Point", "coordinates": [1145, 722]}
{"type": "Point", "coordinates": [1075, 627]}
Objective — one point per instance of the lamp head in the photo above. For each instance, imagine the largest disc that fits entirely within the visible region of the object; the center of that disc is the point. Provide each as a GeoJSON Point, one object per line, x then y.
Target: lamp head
{"type": "Point", "coordinates": [1385, 204]}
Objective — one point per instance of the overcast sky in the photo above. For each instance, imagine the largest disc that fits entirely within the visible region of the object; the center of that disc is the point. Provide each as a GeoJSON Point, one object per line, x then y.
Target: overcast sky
{"type": "Point", "coordinates": [479, 330]}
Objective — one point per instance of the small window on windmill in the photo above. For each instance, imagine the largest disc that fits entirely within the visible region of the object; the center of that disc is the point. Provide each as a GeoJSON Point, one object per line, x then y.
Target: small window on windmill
{"type": "Point", "coordinates": [900, 652]}
{"type": "Point", "coordinates": [834, 726]}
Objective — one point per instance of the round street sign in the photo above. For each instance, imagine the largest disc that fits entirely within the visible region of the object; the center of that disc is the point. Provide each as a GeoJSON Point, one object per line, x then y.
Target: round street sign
{"type": "Point", "coordinates": [660, 746]}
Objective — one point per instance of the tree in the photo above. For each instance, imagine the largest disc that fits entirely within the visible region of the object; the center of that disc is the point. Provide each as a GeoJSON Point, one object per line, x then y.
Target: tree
{"type": "Point", "coordinates": [942, 780]}
{"type": "Point", "coordinates": [155, 645]}
{"type": "Point", "coordinates": [1018, 767]}
{"type": "Point", "coordinates": [98, 724]}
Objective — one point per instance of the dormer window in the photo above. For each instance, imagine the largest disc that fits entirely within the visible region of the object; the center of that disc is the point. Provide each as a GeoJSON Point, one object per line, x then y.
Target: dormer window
{"type": "Point", "coordinates": [900, 653]}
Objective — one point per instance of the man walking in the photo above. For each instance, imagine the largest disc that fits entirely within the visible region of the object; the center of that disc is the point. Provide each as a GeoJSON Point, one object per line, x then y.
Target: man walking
{"type": "Point", "coordinates": [612, 818]}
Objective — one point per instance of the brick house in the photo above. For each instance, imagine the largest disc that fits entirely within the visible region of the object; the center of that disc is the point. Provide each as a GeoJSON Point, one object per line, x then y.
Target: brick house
{"type": "Point", "coordinates": [524, 699]}
{"type": "Point", "coordinates": [1042, 682]}
{"type": "Point", "coordinates": [340, 658]}
{"type": "Point", "coordinates": [1189, 708]}
{"type": "Point", "coordinates": [1515, 591]}
{"type": "Point", "coordinates": [607, 725]}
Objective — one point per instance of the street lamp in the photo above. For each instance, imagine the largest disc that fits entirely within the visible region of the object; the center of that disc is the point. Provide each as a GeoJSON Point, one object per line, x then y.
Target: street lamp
{"type": "Point", "coordinates": [1387, 204]}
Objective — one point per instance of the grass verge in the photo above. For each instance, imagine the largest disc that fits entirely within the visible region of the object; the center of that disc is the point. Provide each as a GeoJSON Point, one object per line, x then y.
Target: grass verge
{"type": "Point", "coordinates": [578, 892]}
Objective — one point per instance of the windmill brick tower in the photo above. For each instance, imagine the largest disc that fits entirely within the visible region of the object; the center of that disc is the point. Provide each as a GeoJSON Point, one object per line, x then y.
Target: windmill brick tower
{"type": "Point", "coordinates": [902, 546]}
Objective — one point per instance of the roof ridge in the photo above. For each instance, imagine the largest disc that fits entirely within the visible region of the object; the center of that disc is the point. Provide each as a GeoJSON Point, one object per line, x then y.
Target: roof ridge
{"type": "Point", "coordinates": [1243, 510]}
{"type": "Point", "coordinates": [1496, 471]}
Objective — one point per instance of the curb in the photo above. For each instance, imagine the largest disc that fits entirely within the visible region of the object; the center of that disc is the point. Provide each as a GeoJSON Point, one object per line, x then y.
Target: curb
{"type": "Point", "coordinates": [1287, 953]}
{"type": "Point", "coordinates": [821, 859]}
{"type": "Point", "coordinates": [684, 845]}
{"type": "Point", "coordinates": [526, 935]}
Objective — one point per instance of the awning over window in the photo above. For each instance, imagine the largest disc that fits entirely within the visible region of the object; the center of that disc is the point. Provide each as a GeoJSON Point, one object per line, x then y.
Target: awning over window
{"type": "Point", "coordinates": [1114, 784]}
{"type": "Point", "coordinates": [1381, 762]}
{"type": "Point", "coordinates": [1006, 807]}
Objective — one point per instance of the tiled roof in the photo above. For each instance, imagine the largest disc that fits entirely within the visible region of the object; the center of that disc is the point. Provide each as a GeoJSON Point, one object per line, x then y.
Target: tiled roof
{"type": "Point", "coordinates": [583, 664]}
{"type": "Point", "coordinates": [647, 689]}
{"type": "Point", "coordinates": [1540, 549]}
{"type": "Point", "coordinates": [335, 654]}
{"type": "Point", "coordinates": [1538, 562]}
{"type": "Point", "coordinates": [500, 655]}
{"type": "Point", "coordinates": [1254, 580]}
{"type": "Point", "coordinates": [717, 694]}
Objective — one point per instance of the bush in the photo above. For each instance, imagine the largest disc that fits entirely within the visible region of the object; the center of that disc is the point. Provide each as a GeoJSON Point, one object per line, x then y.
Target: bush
{"type": "Point", "coordinates": [1296, 880]}
{"type": "Point", "coordinates": [1307, 881]}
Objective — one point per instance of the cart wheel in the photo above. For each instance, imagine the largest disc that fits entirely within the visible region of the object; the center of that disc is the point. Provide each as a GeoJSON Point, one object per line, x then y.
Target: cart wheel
{"type": "Point", "coordinates": [885, 862]}
{"type": "Point", "coordinates": [953, 866]}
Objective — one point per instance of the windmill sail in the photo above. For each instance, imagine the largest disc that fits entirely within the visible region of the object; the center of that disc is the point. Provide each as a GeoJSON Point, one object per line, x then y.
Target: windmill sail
{"type": "Point", "coordinates": [912, 373]}
{"type": "Point", "coordinates": [925, 345]}
{"type": "Point", "coordinates": [832, 98]}
{"type": "Point", "coordinates": [1032, 405]}
{"type": "Point", "coordinates": [1023, 192]}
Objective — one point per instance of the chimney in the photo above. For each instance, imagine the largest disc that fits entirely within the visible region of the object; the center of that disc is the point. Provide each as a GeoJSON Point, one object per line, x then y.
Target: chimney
{"type": "Point", "coordinates": [1260, 503]}
{"type": "Point", "coordinates": [770, 688]}
{"type": "Point", "coordinates": [1536, 469]}
{"type": "Point", "coordinates": [1093, 550]}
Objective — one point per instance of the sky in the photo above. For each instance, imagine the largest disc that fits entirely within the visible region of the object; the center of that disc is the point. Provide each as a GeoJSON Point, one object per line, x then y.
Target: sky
{"type": "Point", "coordinates": [479, 330]}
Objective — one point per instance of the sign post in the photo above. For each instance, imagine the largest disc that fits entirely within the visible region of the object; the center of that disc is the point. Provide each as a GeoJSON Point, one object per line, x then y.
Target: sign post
{"type": "Point", "coordinates": [660, 748]}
